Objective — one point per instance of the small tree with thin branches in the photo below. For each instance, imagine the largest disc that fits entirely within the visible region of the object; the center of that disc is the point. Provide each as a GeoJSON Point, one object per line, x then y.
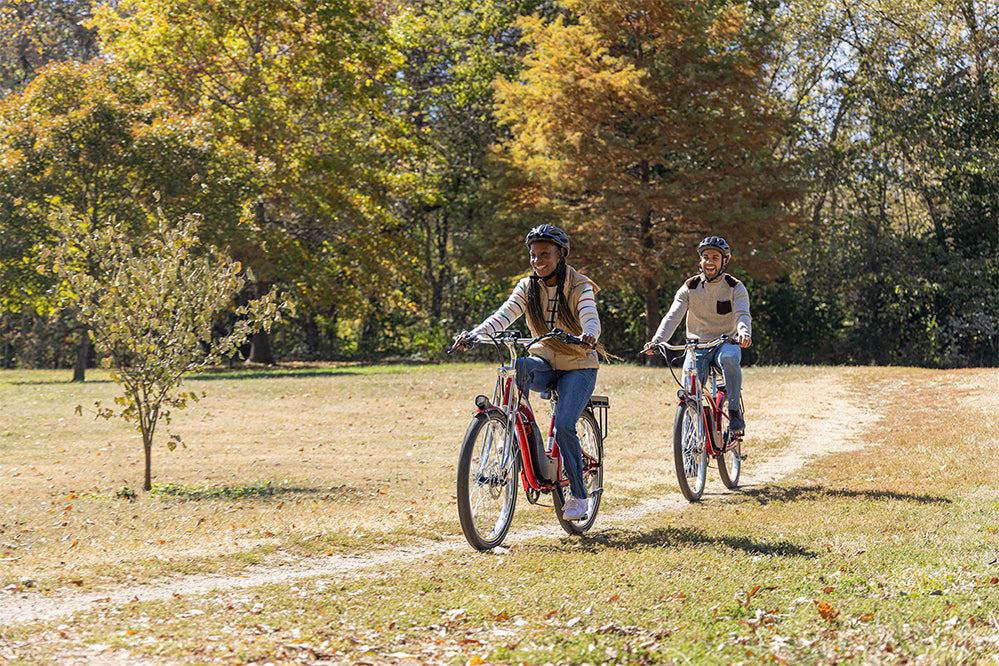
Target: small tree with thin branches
{"type": "Point", "coordinates": [151, 306]}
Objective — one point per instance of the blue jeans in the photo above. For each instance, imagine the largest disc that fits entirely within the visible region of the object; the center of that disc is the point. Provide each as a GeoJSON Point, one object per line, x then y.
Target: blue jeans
{"type": "Point", "coordinates": [728, 357]}
{"type": "Point", "coordinates": [574, 390]}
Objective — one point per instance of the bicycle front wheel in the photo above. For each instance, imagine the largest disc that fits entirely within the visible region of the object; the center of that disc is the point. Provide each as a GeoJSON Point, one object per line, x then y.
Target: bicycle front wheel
{"type": "Point", "coordinates": [488, 471]}
{"type": "Point", "coordinates": [690, 456]}
{"type": "Point", "coordinates": [592, 445]}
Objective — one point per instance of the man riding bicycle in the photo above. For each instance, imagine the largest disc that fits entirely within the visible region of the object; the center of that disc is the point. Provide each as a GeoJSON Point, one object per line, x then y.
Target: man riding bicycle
{"type": "Point", "coordinates": [715, 304]}
{"type": "Point", "coordinates": [555, 295]}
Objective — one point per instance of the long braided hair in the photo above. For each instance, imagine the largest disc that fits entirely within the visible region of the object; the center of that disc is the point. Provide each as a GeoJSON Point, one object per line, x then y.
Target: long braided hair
{"type": "Point", "coordinates": [565, 315]}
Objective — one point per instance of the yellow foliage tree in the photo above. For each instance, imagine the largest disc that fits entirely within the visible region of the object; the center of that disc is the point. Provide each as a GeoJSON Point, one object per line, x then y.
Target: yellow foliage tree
{"type": "Point", "coordinates": [643, 125]}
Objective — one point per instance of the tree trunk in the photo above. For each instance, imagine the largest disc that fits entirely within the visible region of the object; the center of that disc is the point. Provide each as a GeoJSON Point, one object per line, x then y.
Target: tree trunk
{"type": "Point", "coordinates": [260, 348]}
{"type": "Point", "coordinates": [82, 354]}
{"type": "Point", "coordinates": [147, 483]}
{"type": "Point", "coordinates": [260, 343]}
{"type": "Point", "coordinates": [651, 290]}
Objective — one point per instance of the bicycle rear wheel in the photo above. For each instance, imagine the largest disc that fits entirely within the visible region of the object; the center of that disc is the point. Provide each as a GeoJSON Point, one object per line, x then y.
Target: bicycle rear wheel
{"type": "Point", "coordinates": [690, 457]}
{"type": "Point", "coordinates": [729, 462]}
{"type": "Point", "coordinates": [730, 465]}
{"type": "Point", "coordinates": [488, 471]}
{"type": "Point", "coordinates": [592, 444]}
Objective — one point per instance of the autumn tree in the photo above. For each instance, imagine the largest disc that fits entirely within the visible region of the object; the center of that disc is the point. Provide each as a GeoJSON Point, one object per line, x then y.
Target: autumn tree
{"type": "Point", "coordinates": [643, 126]}
{"type": "Point", "coordinates": [152, 305]}
{"type": "Point", "coordinates": [90, 139]}
{"type": "Point", "coordinates": [304, 86]}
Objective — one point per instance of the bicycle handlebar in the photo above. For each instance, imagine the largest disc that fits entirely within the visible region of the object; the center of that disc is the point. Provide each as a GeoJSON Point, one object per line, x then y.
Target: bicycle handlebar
{"type": "Point", "coordinates": [513, 337]}
{"type": "Point", "coordinates": [694, 344]}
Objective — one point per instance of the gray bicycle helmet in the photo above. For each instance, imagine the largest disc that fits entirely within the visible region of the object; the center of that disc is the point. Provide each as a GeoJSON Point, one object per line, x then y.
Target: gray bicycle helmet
{"type": "Point", "coordinates": [550, 233]}
{"type": "Point", "coordinates": [717, 243]}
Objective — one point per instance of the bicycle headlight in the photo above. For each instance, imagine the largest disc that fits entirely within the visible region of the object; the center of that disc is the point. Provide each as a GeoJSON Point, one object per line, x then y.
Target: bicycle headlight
{"type": "Point", "coordinates": [482, 402]}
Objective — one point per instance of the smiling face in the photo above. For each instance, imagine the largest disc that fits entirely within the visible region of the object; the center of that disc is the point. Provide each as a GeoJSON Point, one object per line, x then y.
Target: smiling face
{"type": "Point", "coordinates": [712, 263]}
{"type": "Point", "coordinates": [544, 258]}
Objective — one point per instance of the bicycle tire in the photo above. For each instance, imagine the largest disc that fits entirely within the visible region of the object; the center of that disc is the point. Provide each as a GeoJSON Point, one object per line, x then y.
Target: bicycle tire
{"type": "Point", "coordinates": [591, 442]}
{"type": "Point", "coordinates": [690, 456]}
{"type": "Point", "coordinates": [729, 462]}
{"type": "Point", "coordinates": [730, 465]}
{"type": "Point", "coordinates": [487, 493]}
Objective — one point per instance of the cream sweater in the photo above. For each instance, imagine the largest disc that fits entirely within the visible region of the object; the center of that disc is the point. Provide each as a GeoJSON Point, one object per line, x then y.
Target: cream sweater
{"type": "Point", "coordinates": [713, 309]}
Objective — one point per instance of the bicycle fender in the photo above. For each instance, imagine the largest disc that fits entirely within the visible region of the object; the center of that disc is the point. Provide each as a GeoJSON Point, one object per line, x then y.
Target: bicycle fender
{"type": "Point", "coordinates": [487, 410]}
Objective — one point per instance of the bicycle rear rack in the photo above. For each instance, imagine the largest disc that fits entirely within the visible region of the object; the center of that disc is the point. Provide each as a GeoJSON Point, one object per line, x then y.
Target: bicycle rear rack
{"type": "Point", "coordinates": [600, 404]}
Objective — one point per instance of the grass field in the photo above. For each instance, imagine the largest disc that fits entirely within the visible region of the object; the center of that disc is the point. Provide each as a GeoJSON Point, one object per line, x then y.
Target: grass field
{"type": "Point", "coordinates": [884, 554]}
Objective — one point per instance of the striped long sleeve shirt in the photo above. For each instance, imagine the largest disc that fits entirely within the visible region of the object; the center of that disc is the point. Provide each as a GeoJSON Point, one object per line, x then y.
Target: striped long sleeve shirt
{"type": "Point", "coordinates": [581, 294]}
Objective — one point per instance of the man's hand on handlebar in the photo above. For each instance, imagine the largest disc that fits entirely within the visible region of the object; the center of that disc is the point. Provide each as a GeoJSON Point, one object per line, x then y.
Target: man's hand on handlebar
{"type": "Point", "coordinates": [462, 342]}
{"type": "Point", "coordinates": [649, 349]}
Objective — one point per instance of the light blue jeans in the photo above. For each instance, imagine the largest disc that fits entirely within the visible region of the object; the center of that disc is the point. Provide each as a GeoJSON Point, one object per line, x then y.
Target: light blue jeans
{"type": "Point", "coordinates": [574, 390]}
{"type": "Point", "coordinates": [728, 357]}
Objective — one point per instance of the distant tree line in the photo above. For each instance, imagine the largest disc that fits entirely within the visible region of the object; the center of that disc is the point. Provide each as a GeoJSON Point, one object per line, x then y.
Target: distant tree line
{"type": "Point", "coordinates": [379, 163]}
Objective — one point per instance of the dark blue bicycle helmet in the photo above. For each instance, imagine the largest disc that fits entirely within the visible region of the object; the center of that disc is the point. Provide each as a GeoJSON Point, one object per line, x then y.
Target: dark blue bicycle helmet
{"type": "Point", "coordinates": [550, 233]}
{"type": "Point", "coordinates": [717, 243]}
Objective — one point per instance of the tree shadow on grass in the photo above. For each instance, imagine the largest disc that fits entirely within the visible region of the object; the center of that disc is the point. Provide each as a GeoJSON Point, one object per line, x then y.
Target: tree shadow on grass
{"type": "Point", "coordinates": [58, 382]}
{"type": "Point", "coordinates": [272, 373]}
{"type": "Point", "coordinates": [677, 537]}
{"type": "Point", "coordinates": [801, 493]}
{"type": "Point", "coordinates": [264, 490]}
{"type": "Point", "coordinates": [213, 375]}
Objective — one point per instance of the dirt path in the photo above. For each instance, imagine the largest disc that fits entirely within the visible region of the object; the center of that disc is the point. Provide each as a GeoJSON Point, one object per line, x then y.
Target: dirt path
{"type": "Point", "coordinates": [834, 425]}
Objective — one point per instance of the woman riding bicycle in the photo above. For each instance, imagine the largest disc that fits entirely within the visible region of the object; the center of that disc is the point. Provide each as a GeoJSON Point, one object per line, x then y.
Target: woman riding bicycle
{"type": "Point", "coordinates": [555, 295]}
{"type": "Point", "coordinates": [715, 304]}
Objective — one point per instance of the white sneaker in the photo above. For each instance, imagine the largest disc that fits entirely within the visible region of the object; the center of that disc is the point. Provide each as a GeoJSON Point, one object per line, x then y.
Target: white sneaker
{"type": "Point", "coordinates": [574, 509]}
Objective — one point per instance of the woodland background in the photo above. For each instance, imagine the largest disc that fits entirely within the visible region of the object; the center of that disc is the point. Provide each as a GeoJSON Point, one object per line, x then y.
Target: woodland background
{"type": "Point", "coordinates": [379, 163]}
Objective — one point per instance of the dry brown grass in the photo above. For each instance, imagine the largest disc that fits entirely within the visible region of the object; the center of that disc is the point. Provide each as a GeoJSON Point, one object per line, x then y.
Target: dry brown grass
{"type": "Point", "coordinates": [880, 552]}
{"type": "Point", "coordinates": [288, 463]}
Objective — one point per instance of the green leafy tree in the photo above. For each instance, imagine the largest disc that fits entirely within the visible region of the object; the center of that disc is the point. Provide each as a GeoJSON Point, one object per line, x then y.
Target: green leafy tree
{"type": "Point", "coordinates": [896, 121]}
{"type": "Point", "coordinates": [34, 33]}
{"type": "Point", "coordinates": [305, 87]}
{"type": "Point", "coordinates": [453, 53]}
{"type": "Point", "coordinates": [152, 307]}
{"type": "Point", "coordinates": [89, 138]}
{"type": "Point", "coordinates": [644, 125]}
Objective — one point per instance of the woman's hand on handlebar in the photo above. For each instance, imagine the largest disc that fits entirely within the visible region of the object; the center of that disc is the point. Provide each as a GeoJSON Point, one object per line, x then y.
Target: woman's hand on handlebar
{"type": "Point", "coordinates": [649, 349]}
{"type": "Point", "coordinates": [588, 341]}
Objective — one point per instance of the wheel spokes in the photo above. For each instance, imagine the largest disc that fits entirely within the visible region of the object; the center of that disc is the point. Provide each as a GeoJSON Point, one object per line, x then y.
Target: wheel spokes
{"type": "Point", "coordinates": [490, 483]}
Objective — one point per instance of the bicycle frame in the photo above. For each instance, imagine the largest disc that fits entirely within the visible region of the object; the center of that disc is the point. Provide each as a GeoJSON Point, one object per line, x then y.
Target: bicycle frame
{"type": "Point", "coordinates": [692, 388]}
{"type": "Point", "coordinates": [517, 410]}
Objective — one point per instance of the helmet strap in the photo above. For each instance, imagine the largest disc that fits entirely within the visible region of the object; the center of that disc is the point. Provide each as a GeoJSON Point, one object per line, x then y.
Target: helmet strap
{"type": "Point", "coordinates": [558, 267]}
{"type": "Point", "coordinates": [721, 271]}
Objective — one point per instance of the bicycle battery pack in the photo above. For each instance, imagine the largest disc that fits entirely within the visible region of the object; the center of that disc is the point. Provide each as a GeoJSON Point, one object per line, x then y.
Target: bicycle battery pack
{"type": "Point", "coordinates": [545, 468]}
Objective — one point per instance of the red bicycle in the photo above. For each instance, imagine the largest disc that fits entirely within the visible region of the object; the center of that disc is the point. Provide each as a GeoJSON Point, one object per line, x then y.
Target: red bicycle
{"type": "Point", "coordinates": [504, 445]}
{"type": "Point", "coordinates": [700, 427]}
